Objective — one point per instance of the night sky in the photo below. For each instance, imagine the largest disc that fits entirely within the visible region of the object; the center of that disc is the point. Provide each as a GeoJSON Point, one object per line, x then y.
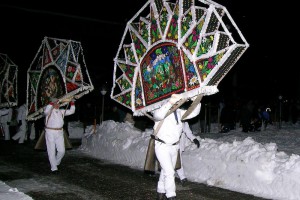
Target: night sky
{"type": "Point", "coordinates": [267, 69]}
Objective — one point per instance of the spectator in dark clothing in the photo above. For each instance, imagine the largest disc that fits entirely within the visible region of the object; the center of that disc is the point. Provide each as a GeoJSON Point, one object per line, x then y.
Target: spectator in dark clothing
{"type": "Point", "coordinates": [245, 117]}
{"type": "Point", "coordinates": [113, 114]}
{"type": "Point", "coordinates": [227, 118]}
{"type": "Point", "coordinates": [89, 115]}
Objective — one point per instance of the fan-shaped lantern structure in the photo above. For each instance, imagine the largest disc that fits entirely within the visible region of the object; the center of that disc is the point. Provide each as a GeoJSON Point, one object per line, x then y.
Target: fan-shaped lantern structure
{"type": "Point", "coordinates": [57, 71]}
{"type": "Point", "coordinates": [182, 46]}
{"type": "Point", "coordinates": [8, 82]}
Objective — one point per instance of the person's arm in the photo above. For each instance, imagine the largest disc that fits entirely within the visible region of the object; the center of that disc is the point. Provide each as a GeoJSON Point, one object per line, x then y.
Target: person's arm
{"type": "Point", "coordinates": [71, 110]}
{"type": "Point", "coordinates": [189, 134]}
{"type": "Point", "coordinates": [4, 111]}
{"type": "Point", "coordinates": [48, 109]}
{"type": "Point", "coordinates": [195, 112]}
{"type": "Point", "coordinates": [160, 113]}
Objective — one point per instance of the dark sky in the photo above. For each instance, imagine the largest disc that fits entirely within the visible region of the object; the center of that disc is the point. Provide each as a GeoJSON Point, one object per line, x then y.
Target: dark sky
{"type": "Point", "coordinates": [268, 68]}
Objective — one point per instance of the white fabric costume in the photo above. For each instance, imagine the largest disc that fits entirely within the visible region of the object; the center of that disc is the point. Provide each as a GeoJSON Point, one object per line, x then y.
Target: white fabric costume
{"type": "Point", "coordinates": [188, 134]}
{"type": "Point", "coordinates": [54, 133]}
{"type": "Point", "coordinates": [21, 117]}
{"type": "Point", "coordinates": [166, 152]}
{"type": "Point", "coordinates": [5, 116]}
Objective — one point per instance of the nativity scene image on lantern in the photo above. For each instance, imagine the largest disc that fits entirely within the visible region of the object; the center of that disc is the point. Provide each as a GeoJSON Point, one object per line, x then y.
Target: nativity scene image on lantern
{"type": "Point", "coordinates": [57, 71]}
{"type": "Point", "coordinates": [184, 47]}
{"type": "Point", "coordinates": [8, 82]}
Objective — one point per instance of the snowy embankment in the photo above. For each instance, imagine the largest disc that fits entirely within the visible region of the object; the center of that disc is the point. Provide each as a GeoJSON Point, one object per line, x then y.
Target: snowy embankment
{"type": "Point", "coordinates": [244, 166]}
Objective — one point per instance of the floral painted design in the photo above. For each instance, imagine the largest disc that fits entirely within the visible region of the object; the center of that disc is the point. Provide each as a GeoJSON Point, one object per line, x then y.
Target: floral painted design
{"type": "Point", "coordinates": [192, 40]}
{"type": "Point", "coordinates": [162, 73]}
{"type": "Point", "coordinates": [207, 65]}
{"type": "Point", "coordinates": [205, 45]}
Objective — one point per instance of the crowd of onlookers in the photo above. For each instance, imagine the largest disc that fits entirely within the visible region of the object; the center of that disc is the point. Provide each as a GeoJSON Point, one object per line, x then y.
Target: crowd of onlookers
{"type": "Point", "coordinates": [255, 116]}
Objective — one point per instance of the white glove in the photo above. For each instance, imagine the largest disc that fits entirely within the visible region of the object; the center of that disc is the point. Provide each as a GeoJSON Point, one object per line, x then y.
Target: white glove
{"type": "Point", "coordinates": [175, 98]}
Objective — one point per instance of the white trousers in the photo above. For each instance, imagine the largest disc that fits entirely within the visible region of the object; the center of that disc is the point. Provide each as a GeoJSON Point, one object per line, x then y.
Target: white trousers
{"type": "Point", "coordinates": [6, 131]}
{"type": "Point", "coordinates": [167, 156]}
{"type": "Point", "coordinates": [55, 147]}
{"type": "Point", "coordinates": [21, 134]}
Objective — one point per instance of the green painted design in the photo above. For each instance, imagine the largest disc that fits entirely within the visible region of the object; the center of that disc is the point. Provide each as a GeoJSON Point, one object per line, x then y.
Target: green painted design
{"type": "Point", "coordinates": [207, 65]}
{"type": "Point", "coordinates": [128, 70]}
{"type": "Point", "coordinates": [125, 99]}
{"type": "Point", "coordinates": [130, 54]}
{"type": "Point", "coordinates": [138, 93]}
{"type": "Point", "coordinates": [123, 83]}
{"type": "Point", "coordinates": [192, 40]}
{"type": "Point", "coordinates": [161, 72]}
{"type": "Point", "coordinates": [190, 73]}
{"type": "Point", "coordinates": [205, 45]}
{"type": "Point", "coordinates": [144, 32]}
{"type": "Point", "coordinates": [140, 49]}
{"type": "Point", "coordinates": [154, 31]}
{"type": "Point", "coordinates": [164, 18]}
{"type": "Point", "coordinates": [173, 28]}
{"type": "Point", "coordinates": [186, 23]}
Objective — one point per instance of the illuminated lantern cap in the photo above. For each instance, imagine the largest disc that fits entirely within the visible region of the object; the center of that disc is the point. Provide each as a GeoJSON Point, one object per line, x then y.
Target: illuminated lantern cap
{"type": "Point", "coordinates": [8, 82]}
{"type": "Point", "coordinates": [169, 47]}
{"type": "Point", "coordinates": [57, 71]}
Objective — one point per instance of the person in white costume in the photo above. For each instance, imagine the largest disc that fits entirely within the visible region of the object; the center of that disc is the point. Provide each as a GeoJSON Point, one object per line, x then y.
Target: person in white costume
{"type": "Point", "coordinates": [188, 134]}
{"type": "Point", "coordinates": [5, 116]}
{"type": "Point", "coordinates": [167, 144]}
{"type": "Point", "coordinates": [22, 123]}
{"type": "Point", "coordinates": [54, 134]}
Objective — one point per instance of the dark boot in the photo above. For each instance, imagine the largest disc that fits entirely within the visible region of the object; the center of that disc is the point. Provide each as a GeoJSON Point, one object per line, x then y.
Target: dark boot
{"type": "Point", "coordinates": [161, 196]}
{"type": "Point", "coordinates": [171, 198]}
{"type": "Point", "coordinates": [184, 181]}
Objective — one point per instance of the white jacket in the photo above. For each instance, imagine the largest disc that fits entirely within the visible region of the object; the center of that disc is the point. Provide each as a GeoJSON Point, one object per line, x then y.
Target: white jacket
{"type": "Point", "coordinates": [170, 130]}
{"type": "Point", "coordinates": [5, 115]}
{"type": "Point", "coordinates": [56, 119]}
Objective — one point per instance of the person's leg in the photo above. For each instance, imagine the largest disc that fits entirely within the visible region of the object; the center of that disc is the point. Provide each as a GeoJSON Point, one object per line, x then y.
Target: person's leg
{"type": "Point", "coordinates": [6, 131]}
{"type": "Point", "coordinates": [23, 133]}
{"type": "Point", "coordinates": [50, 142]}
{"type": "Point", "coordinates": [60, 145]}
{"type": "Point", "coordinates": [166, 156]}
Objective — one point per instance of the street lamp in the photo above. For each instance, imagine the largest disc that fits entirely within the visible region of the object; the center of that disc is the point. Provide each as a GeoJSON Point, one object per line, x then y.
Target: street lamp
{"type": "Point", "coordinates": [103, 92]}
{"type": "Point", "coordinates": [280, 100]}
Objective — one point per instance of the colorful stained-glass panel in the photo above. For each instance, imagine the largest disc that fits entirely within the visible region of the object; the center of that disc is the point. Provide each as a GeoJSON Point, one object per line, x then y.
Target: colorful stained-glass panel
{"type": "Point", "coordinates": [205, 45]}
{"type": "Point", "coordinates": [123, 83]}
{"type": "Point", "coordinates": [154, 31]}
{"type": "Point", "coordinates": [125, 99]}
{"type": "Point", "coordinates": [164, 18]}
{"type": "Point", "coordinates": [207, 65]}
{"type": "Point", "coordinates": [138, 93]}
{"type": "Point", "coordinates": [173, 28]}
{"type": "Point", "coordinates": [192, 40]}
{"type": "Point", "coordinates": [144, 32]}
{"type": "Point", "coordinates": [129, 53]}
{"type": "Point", "coordinates": [51, 86]}
{"type": "Point", "coordinates": [128, 70]}
{"type": "Point", "coordinates": [138, 45]}
{"type": "Point", "coordinates": [186, 22]}
{"type": "Point", "coordinates": [190, 73]}
{"type": "Point", "coordinates": [162, 73]}
{"type": "Point", "coordinates": [71, 69]}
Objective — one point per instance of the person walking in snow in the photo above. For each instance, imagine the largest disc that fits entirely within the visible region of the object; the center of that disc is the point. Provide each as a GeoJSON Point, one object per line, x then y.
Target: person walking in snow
{"type": "Point", "coordinates": [188, 134]}
{"type": "Point", "coordinates": [167, 144]}
{"type": "Point", "coordinates": [22, 123]}
{"type": "Point", "coordinates": [54, 133]}
{"type": "Point", "coordinates": [5, 117]}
